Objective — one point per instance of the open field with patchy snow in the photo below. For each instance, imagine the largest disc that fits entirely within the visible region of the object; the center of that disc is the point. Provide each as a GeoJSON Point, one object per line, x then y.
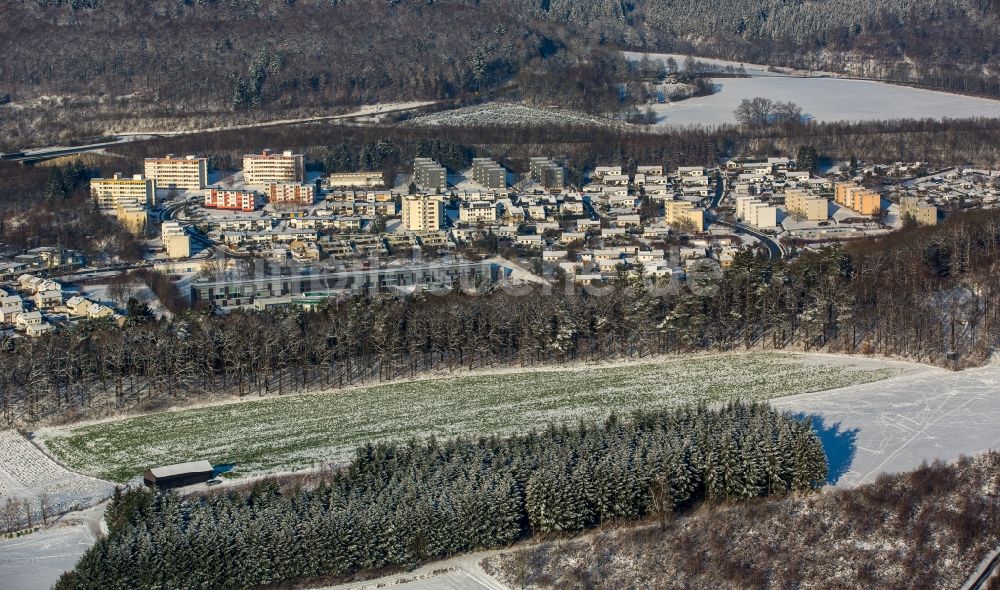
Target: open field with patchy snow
{"type": "Point", "coordinates": [825, 100]}
{"type": "Point", "coordinates": [26, 473]}
{"type": "Point", "coordinates": [296, 432]}
{"type": "Point", "coordinates": [35, 561]}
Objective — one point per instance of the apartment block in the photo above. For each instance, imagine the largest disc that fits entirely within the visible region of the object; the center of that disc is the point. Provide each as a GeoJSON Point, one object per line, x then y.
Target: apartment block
{"type": "Point", "coordinates": [235, 199]}
{"type": "Point", "coordinates": [291, 192]}
{"type": "Point", "coordinates": [187, 173]}
{"type": "Point", "coordinates": [651, 170]}
{"type": "Point", "coordinates": [423, 213]}
{"type": "Point", "coordinates": [175, 240]}
{"type": "Point", "coordinates": [857, 198]}
{"type": "Point", "coordinates": [474, 212]}
{"type": "Point", "coordinates": [133, 217]}
{"type": "Point", "coordinates": [267, 167]}
{"type": "Point", "coordinates": [684, 213]}
{"type": "Point", "coordinates": [810, 207]}
{"type": "Point", "coordinates": [137, 191]}
{"type": "Point", "coordinates": [920, 211]}
{"type": "Point", "coordinates": [356, 179]}
{"type": "Point", "coordinates": [429, 175]}
{"type": "Point", "coordinates": [755, 212]}
{"type": "Point", "coordinates": [489, 174]}
{"type": "Point", "coordinates": [547, 173]}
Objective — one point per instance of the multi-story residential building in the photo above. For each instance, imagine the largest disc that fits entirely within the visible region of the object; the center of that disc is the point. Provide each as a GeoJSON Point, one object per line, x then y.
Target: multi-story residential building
{"type": "Point", "coordinates": [136, 191]}
{"type": "Point", "coordinates": [291, 192]}
{"type": "Point", "coordinates": [602, 171]}
{"type": "Point", "coordinates": [475, 212]}
{"type": "Point", "coordinates": [489, 174]}
{"type": "Point", "coordinates": [684, 213]}
{"type": "Point", "coordinates": [175, 240]}
{"type": "Point", "coordinates": [919, 210]}
{"type": "Point", "coordinates": [547, 173]}
{"type": "Point", "coordinates": [267, 167]}
{"type": "Point", "coordinates": [809, 207]}
{"type": "Point", "coordinates": [858, 198]}
{"type": "Point", "coordinates": [188, 173]}
{"type": "Point", "coordinates": [358, 179]}
{"type": "Point", "coordinates": [429, 175]}
{"type": "Point", "coordinates": [235, 199]}
{"type": "Point", "coordinates": [756, 213]}
{"type": "Point", "coordinates": [423, 213]}
{"type": "Point", "coordinates": [133, 217]}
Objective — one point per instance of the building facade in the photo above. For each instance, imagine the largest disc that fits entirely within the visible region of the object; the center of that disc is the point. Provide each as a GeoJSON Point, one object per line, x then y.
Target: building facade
{"type": "Point", "coordinates": [136, 191]}
{"type": "Point", "coordinates": [489, 174]}
{"type": "Point", "coordinates": [684, 213]}
{"type": "Point", "coordinates": [858, 198]}
{"type": "Point", "coordinates": [267, 167]}
{"type": "Point", "coordinates": [423, 213]}
{"type": "Point", "coordinates": [920, 211]}
{"type": "Point", "coordinates": [187, 173]}
{"type": "Point", "coordinates": [547, 173]}
{"type": "Point", "coordinates": [176, 242]}
{"type": "Point", "coordinates": [809, 207]}
{"type": "Point", "coordinates": [234, 199]}
{"type": "Point", "coordinates": [291, 192]}
{"type": "Point", "coordinates": [429, 175]}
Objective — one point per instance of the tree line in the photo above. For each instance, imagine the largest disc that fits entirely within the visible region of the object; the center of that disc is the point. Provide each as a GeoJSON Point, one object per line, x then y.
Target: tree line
{"type": "Point", "coordinates": [930, 294]}
{"type": "Point", "coordinates": [399, 505]}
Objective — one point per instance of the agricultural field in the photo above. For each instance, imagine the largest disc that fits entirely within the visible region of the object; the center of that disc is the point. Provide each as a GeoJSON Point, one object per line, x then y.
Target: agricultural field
{"type": "Point", "coordinates": [296, 432]}
{"type": "Point", "coordinates": [27, 474]}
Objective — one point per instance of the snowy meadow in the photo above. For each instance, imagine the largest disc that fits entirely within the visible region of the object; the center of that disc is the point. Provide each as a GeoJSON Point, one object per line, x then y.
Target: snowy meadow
{"type": "Point", "coordinates": [297, 432]}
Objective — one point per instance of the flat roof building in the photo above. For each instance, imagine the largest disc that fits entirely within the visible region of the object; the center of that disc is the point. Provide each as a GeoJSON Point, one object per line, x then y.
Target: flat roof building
{"type": "Point", "coordinates": [547, 173]}
{"type": "Point", "coordinates": [684, 214]}
{"type": "Point", "coordinates": [234, 199]}
{"type": "Point", "coordinates": [429, 175]}
{"type": "Point", "coordinates": [356, 179]}
{"type": "Point", "coordinates": [266, 167]}
{"type": "Point", "coordinates": [920, 211]}
{"type": "Point", "coordinates": [809, 207]}
{"type": "Point", "coordinates": [423, 213]}
{"type": "Point", "coordinates": [858, 198]}
{"type": "Point", "coordinates": [137, 191]}
{"type": "Point", "coordinates": [188, 173]}
{"type": "Point", "coordinates": [291, 192]}
{"type": "Point", "coordinates": [489, 174]}
{"type": "Point", "coordinates": [176, 242]}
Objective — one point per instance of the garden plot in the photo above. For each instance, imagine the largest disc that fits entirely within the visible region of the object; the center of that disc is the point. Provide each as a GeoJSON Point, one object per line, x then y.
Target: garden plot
{"type": "Point", "coordinates": [296, 432]}
{"type": "Point", "coordinates": [26, 473]}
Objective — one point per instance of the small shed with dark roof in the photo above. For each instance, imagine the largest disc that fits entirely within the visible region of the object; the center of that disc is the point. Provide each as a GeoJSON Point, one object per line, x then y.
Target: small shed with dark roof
{"type": "Point", "coordinates": [181, 474]}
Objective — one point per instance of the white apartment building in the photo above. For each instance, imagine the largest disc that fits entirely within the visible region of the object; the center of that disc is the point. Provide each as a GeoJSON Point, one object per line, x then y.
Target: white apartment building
{"type": "Point", "coordinates": [423, 213]}
{"type": "Point", "coordinates": [175, 240]}
{"type": "Point", "coordinates": [267, 167]}
{"type": "Point", "coordinates": [137, 191]}
{"type": "Point", "coordinates": [187, 173]}
{"type": "Point", "coordinates": [475, 212]}
{"type": "Point", "coordinates": [755, 212]}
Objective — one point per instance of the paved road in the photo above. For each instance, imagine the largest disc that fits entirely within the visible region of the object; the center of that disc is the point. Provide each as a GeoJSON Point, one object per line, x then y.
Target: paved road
{"type": "Point", "coordinates": [774, 249]}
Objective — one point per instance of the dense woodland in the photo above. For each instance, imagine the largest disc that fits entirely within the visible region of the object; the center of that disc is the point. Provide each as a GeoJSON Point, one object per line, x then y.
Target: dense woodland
{"type": "Point", "coordinates": [930, 294]}
{"type": "Point", "coordinates": [925, 529]}
{"type": "Point", "coordinates": [154, 62]}
{"type": "Point", "coordinates": [396, 506]}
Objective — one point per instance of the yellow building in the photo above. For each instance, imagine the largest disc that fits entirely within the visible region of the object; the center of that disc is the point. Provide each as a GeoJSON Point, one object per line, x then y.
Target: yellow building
{"type": "Point", "coordinates": [920, 211]}
{"type": "Point", "coordinates": [858, 198]}
{"type": "Point", "coordinates": [683, 214]}
{"type": "Point", "coordinates": [267, 167]}
{"type": "Point", "coordinates": [136, 191]}
{"type": "Point", "coordinates": [132, 217]}
{"type": "Point", "coordinates": [423, 213]}
{"type": "Point", "coordinates": [187, 173]}
{"type": "Point", "coordinates": [800, 203]}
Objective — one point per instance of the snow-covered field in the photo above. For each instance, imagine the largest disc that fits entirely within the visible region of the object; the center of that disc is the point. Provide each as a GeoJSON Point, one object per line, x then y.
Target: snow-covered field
{"type": "Point", "coordinates": [297, 432]}
{"type": "Point", "coordinates": [507, 114]}
{"type": "Point", "coordinates": [894, 425]}
{"type": "Point", "coordinates": [26, 473]}
{"type": "Point", "coordinates": [824, 100]}
{"type": "Point", "coordinates": [35, 561]}
{"type": "Point", "coordinates": [748, 68]}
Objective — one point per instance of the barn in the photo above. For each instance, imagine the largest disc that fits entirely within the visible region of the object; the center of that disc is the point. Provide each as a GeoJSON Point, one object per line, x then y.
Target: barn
{"type": "Point", "coordinates": [181, 474]}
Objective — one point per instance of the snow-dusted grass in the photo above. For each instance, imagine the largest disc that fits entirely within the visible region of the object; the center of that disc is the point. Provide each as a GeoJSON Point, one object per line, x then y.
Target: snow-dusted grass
{"type": "Point", "coordinates": [512, 115]}
{"type": "Point", "coordinates": [280, 434]}
{"type": "Point", "coordinates": [826, 99]}
{"type": "Point", "coordinates": [26, 473]}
